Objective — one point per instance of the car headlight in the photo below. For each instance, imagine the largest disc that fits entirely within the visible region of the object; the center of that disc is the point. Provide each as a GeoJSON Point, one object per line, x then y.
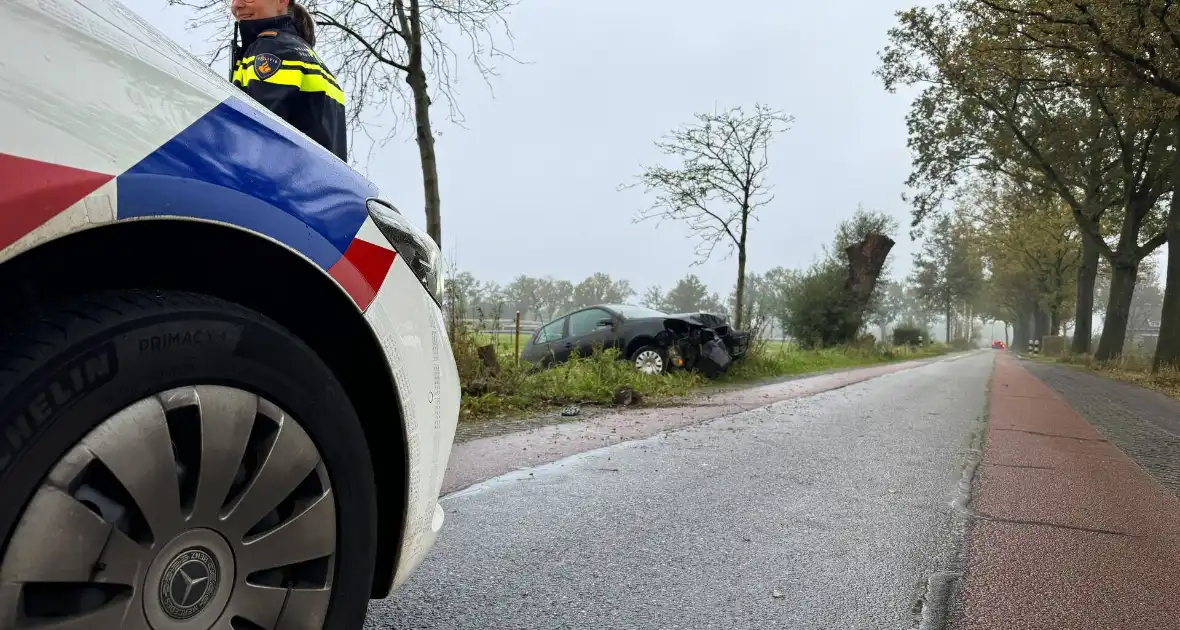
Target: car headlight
{"type": "Point", "coordinates": [416, 247]}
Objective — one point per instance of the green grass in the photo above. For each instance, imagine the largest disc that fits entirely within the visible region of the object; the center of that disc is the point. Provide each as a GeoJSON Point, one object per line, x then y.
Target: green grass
{"type": "Point", "coordinates": [591, 380]}
{"type": "Point", "coordinates": [521, 389]}
{"type": "Point", "coordinates": [505, 344]}
{"type": "Point", "coordinates": [780, 359]}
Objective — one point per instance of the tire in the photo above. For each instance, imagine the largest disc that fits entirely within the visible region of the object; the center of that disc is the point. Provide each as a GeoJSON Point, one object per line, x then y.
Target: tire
{"type": "Point", "coordinates": [637, 358]}
{"type": "Point", "coordinates": [119, 360]}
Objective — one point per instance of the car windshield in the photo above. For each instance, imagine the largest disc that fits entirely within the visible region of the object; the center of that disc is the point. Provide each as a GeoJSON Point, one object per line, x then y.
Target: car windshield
{"type": "Point", "coordinates": [633, 312]}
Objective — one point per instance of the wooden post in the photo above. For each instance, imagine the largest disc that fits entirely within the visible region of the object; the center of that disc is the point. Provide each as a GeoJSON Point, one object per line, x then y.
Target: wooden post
{"type": "Point", "coordinates": [518, 336]}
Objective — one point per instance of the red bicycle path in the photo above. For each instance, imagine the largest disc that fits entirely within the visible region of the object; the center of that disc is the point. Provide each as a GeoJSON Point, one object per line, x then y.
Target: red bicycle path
{"type": "Point", "coordinates": [1068, 532]}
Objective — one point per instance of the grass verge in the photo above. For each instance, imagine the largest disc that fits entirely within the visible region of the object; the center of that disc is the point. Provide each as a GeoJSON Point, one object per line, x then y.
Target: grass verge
{"type": "Point", "coordinates": [519, 389]}
{"type": "Point", "coordinates": [1130, 369]}
{"type": "Point", "coordinates": [780, 359]}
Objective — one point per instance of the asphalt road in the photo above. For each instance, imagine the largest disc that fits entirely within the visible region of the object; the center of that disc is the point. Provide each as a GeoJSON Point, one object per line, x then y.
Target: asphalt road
{"type": "Point", "coordinates": [830, 511]}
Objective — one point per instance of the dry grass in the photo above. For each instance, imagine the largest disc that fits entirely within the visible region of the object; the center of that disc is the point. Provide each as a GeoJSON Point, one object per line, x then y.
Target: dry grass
{"type": "Point", "coordinates": [1131, 369]}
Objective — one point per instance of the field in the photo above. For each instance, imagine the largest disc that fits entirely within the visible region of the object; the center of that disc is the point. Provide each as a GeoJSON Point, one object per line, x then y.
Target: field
{"type": "Point", "coordinates": [505, 344]}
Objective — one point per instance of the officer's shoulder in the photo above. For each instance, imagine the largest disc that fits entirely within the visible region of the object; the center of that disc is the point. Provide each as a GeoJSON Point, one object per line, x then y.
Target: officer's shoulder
{"type": "Point", "coordinates": [283, 45]}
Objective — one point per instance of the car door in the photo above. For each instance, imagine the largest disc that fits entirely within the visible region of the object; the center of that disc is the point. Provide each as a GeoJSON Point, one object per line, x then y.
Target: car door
{"type": "Point", "coordinates": [550, 343]}
{"type": "Point", "coordinates": [586, 330]}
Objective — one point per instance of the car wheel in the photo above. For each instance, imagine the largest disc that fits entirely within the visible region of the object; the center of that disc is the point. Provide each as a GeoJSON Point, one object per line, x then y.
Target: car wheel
{"type": "Point", "coordinates": [650, 360]}
{"type": "Point", "coordinates": [171, 460]}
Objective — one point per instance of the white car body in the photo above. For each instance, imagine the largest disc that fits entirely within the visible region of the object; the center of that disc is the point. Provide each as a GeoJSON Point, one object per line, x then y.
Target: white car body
{"type": "Point", "coordinates": [106, 120]}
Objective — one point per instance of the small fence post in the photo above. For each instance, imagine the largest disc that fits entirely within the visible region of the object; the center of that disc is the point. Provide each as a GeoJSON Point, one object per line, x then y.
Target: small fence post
{"type": "Point", "coordinates": [518, 336]}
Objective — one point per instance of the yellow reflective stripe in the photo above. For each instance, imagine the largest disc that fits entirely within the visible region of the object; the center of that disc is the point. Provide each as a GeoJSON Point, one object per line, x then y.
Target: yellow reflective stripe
{"type": "Point", "coordinates": [248, 62]}
{"type": "Point", "coordinates": [240, 68]}
{"type": "Point", "coordinates": [294, 78]}
{"type": "Point", "coordinates": [240, 75]}
{"type": "Point", "coordinates": [294, 64]}
{"type": "Point", "coordinates": [310, 66]}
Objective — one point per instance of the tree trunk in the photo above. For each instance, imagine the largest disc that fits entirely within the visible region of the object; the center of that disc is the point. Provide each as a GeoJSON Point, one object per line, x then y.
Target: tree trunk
{"type": "Point", "coordinates": [1167, 350]}
{"type": "Point", "coordinates": [1006, 343]}
{"type": "Point", "coordinates": [416, 78]}
{"type": "Point", "coordinates": [1084, 305]}
{"type": "Point", "coordinates": [1021, 332]}
{"type": "Point", "coordinates": [1040, 324]}
{"type": "Point", "coordinates": [1118, 309]}
{"type": "Point", "coordinates": [1055, 323]}
{"type": "Point", "coordinates": [948, 321]}
{"type": "Point", "coordinates": [969, 323]}
{"type": "Point", "coordinates": [739, 295]}
{"type": "Point", "coordinates": [865, 261]}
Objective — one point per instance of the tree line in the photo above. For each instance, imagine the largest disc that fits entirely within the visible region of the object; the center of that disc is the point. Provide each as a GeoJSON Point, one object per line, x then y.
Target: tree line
{"type": "Point", "coordinates": [796, 303]}
{"type": "Point", "coordinates": [987, 260]}
{"type": "Point", "coordinates": [1005, 253]}
{"type": "Point", "coordinates": [1052, 127]}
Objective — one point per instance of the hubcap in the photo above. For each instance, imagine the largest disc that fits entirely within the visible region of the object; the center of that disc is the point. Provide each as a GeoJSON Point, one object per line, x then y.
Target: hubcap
{"type": "Point", "coordinates": [189, 582]}
{"type": "Point", "coordinates": [199, 508]}
{"type": "Point", "coordinates": [649, 362]}
{"type": "Point", "coordinates": [193, 577]}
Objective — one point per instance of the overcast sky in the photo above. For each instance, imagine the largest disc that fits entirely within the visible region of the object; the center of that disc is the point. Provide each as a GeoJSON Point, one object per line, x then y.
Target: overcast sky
{"type": "Point", "coordinates": [529, 186]}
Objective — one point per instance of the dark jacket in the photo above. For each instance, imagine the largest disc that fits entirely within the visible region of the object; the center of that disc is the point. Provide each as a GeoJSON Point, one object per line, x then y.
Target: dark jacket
{"type": "Point", "coordinates": [280, 70]}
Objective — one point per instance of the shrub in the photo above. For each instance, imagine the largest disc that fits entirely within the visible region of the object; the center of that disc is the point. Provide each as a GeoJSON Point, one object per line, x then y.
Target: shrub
{"type": "Point", "coordinates": [907, 336]}
{"type": "Point", "coordinates": [817, 309]}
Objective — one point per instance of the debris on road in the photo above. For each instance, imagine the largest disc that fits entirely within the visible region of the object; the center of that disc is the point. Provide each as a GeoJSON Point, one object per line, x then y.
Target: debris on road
{"type": "Point", "coordinates": [626, 396]}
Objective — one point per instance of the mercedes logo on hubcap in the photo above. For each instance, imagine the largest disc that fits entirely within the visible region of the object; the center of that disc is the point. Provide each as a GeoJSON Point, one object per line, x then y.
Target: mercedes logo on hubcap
{"type": "Point", "coordinates": [189, 583]}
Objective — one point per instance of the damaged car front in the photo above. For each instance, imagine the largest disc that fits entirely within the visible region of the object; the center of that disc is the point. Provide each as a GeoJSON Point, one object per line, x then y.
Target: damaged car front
{"type": "Point", "coordinates": [653, 341]}
{"type": "Point", "coordinates": [703, 342]}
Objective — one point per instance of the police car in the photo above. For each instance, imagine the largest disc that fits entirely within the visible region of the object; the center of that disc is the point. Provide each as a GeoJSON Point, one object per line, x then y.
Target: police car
{"type": "Point", "coordinates": [227, 398]}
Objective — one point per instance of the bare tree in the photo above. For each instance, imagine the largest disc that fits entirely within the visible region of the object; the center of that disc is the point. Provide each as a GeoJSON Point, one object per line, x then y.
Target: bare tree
{"type": "Point", "coordinates": [375, 46]}
{"type": "Point", "coordinates": [719, 182]}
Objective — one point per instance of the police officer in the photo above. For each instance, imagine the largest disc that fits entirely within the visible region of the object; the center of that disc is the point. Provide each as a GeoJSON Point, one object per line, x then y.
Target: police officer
{"type": "Point", "coordinates": [276, 65]}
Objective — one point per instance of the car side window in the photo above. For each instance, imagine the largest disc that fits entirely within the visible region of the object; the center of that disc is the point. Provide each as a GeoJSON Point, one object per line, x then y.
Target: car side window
{"type": "Point", "coordinates": [585, 322]}
{"type": "Point", "coordinates": [550, 332]}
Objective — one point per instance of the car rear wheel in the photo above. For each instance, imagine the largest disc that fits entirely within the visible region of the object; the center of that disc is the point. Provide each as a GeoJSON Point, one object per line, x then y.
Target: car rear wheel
{"type": "Point", "coordinates": [176, 461]}
{"type": "Point", "coordinates": [650, 360]}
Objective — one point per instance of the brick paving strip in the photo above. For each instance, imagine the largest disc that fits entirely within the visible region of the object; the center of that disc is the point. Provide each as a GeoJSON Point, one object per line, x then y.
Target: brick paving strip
{"type": "Point", "coordinates": [535, 442]}
{"type": "Point", "coordinates": [1069, 533]}
{"type": "Point", "coordinates": [1145, 424]}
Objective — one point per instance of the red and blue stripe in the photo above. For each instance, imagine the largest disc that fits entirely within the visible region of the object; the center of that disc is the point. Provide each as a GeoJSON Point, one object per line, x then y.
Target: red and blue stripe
{"type": "Point", "coordinates": [235, 165]}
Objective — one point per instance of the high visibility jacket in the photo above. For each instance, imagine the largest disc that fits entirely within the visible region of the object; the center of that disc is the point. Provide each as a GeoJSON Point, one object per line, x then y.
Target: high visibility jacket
{"type": "Point", "coordinates": [281, 71]}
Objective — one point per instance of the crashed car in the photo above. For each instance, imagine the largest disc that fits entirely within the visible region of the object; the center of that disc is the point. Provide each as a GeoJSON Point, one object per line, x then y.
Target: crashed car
{"type": "Point", "coordinates": [653, 341]}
